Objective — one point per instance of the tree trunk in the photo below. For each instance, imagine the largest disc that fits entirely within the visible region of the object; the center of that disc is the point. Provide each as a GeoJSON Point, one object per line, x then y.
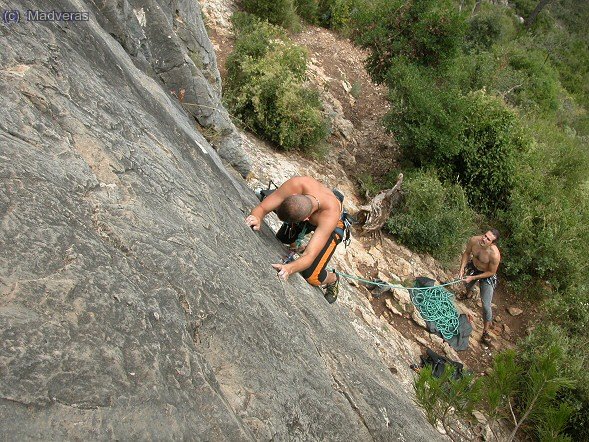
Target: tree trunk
{"type": "Point", "coordinates": [532, 18]}
{"type": "Point", "coordinates": [379, 209]}
{"type": "Point", "coordinates": [476, 7]}
{"type": "Point", "coordinates": [529, 409]}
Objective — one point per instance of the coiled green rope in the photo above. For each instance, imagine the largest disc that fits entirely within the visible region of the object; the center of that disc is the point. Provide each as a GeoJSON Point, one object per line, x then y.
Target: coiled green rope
{"type": "Point", "coordinates": [434, 304]}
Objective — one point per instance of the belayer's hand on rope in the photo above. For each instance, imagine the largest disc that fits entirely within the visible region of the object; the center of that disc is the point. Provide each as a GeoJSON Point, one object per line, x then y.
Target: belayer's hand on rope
{"type": "Point", "coordinates": [253, 222]}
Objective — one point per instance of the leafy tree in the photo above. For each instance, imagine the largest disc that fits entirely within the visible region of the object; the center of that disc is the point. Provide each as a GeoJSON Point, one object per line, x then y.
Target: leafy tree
{"type": "Point", "coordinates": [337, 14]}
{"type": "Point", "coordinates": [526, 390]}
{"type": "Point", "coordinates": [534, 14]}
{"type": "Point", "coordinates": [492, 137]}
{"type": "Point", "coordinates": [308, 10]}
{"type": "Point", "coordinates": [569, 331]}
{"type": "Point", "coordinates": [546, 377]}
{"type": "Point", "coordinates": [490, 26]}
{"type": "Point", "coordinates": [425, 32]}
{"type": "Point", "coordinates": [446, 399]}
{"type": "Point", "coordinates": [523, 389]}
{"type": "Point", "coordinates": [472, 139]}
{"type": "Point", "coordinates": [518, 72]}
{"type": "Point", "coordinates": [549, 206]}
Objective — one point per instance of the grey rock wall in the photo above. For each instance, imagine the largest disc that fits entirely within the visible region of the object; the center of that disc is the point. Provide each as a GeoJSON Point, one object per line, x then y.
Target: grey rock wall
{"type": "Point", "coordinates": [134, 302]}
{"type": "Point", "coordinates": [168, 40]}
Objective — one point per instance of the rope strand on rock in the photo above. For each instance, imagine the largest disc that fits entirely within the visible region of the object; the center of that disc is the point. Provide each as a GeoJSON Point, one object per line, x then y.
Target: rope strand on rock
{"type": "Point", "coordinates": [434, 303]}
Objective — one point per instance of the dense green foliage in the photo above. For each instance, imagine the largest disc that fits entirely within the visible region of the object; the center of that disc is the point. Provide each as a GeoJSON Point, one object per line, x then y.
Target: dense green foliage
{"type": "Point", "coordinates": [435, 217]}
{"type": "Point", "coordinates": [307, 10]}
{"type": "Point", "coordinates": [424, 32]}
{"type": "Point", "coordinates": [278, 12]}
{"type": "Point", "coordinates": [337, 14]}
{"type": "Point", "coordinates": [490, 118]}
{"type": "Point", "coordinates": [561, 33]}
{"type": "Point", "coordinates": [445, 398]}
{"type": "Point", "coordinates": [265, 88]}
{"type": "Point", "coordinates": [569, 356]}
{"type": "Point", "coordinates": [473, 139]}
{"type": "Point", "coordinates": [489, 27]}
{"type": "Point", "coordinates": [517, 73]}
{"type": "Point", "coordinates": [334, 14]}
{"type": "Point", "coordinates": [547, 217]}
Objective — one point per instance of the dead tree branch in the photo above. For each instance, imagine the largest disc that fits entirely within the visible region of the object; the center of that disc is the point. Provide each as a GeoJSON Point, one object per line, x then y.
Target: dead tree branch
{"type": "Point", "coordinates": [379, 209]}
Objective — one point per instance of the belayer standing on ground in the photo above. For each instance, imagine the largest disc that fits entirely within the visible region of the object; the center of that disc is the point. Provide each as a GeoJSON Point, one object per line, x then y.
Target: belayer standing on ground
{"type": "Point", "coordinates": [480, 262]}
{"type": "Point", "coordinates": [305, 205]}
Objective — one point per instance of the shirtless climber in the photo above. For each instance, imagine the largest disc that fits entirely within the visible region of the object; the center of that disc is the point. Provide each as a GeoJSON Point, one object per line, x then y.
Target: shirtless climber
{"type": "Point", "coordinates": [305, 205]}
{"type": "Point", "coordinates": [479, 263]}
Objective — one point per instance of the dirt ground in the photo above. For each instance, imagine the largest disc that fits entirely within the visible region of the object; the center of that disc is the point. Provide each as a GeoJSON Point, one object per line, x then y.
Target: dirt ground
{"type": "Point", "coordinates": [342, 64]}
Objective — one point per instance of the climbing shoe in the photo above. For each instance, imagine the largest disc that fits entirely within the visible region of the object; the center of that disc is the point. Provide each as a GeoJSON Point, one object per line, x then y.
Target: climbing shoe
{"type": "Point", "coordinates": [486, 338]}
{"type": "Point", "coordinates": [331, 290]}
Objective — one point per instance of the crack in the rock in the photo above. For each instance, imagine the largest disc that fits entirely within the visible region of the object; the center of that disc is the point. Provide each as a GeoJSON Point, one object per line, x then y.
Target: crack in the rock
{"type": "Point", "coordinates": [16, 401]}
{"type": "Point", "coordinates": [79, 406]}
{"type": "Point", "coordinates": [344, 393]}
{"type": "Point", "coordinates": [163, 70]}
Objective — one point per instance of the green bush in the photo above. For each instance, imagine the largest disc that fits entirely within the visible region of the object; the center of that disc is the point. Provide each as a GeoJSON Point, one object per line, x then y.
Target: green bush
{"type": "Point", "coordinates": [546, 223]}
{"type": "Point", "coordinates": [308, 10]}
{"type": "Point", "coordinates": [524, 7]}
{"type": "Point", "coordinates": [561, 34]}
{"type": "Point", "coordinates": [569, 54]}
{"type": "Point", "coordinates": [523, 389]}
{"type": "Point", "coordinates": [523, 76]}
{"type": "Point", "coordinates": [544, 21]}
{"type": "Point", "coordinates": [367, 184]}
{"type": "Point", "coordinates": [569, 308]}
{"type": "Point", "coordinates": [473, 71]}
{"type": "Point", "coordinates": [471, 139]}
{"type": "Point", "coordinates": [426, 32]}
{"type": "Point", "coordinates": [492, 25]}
{"type": "Point", "coordinates": [265, 89]}
{"type": "Point", "coordinates": [530, 77]}
{"type": "Point", "coordinates": [337, 14]}
{"type": "Point", "coordinates": [558, 354]}
{"type": "Point", "coordinates": [424, 116]}
{"type": "Point", "coordinates": [446, 399]}
{"type": "Point", "coordinates": [435, 217]}
{"type": "Point", "coordinates": [278, 12]}
{"type": "Point", "coordinates": [492, 140]}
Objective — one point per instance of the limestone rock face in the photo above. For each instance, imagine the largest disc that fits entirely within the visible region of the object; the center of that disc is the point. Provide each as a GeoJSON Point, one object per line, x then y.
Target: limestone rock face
{"type": "Point", "coordinates": [134, 302]}
{"type": "Point", "coordinates": [168, 41]}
